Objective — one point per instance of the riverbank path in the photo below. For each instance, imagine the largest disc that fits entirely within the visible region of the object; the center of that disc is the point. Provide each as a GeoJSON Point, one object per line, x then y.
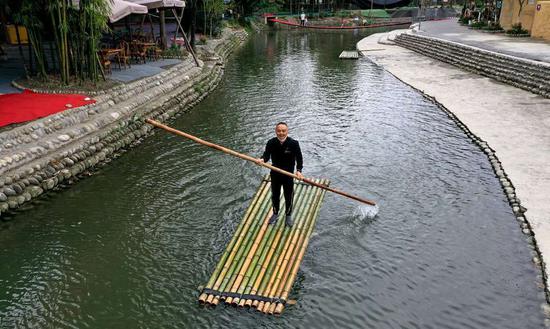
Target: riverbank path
{"type": "Point", "coordinates": [514, 122]}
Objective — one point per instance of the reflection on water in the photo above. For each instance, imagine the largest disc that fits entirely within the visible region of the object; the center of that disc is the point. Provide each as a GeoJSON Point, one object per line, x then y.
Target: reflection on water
{"type": "Point", "coordinates": [128, 247]}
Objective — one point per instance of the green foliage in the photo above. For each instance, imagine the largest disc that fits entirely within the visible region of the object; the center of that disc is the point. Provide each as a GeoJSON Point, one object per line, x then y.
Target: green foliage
{"type": "Point", "coordinates": [463, 20]}
{"type": "Point", "coordinates": [212, 10]}
{"type": "Point", "coordinates": [233, 23]}
{"type": "Point", "coordinates": [175, 51]}
{"type": "Point", "coordinates": [269, 6]}
{"type": "Point", "coordinates": [342, 13]}
{"type": "Point", "coordinates": [76, 31]}
{"type": "Point", "coordinates": [376, 13]}
{"type": "Point", "coordinates": [517, 29]}
{"type": "Point", "coordinates": [30, 16]}
{"type": "Point", "coordinates": [493, 27]}
{"type": "Point", "coordinates": [478, 24]}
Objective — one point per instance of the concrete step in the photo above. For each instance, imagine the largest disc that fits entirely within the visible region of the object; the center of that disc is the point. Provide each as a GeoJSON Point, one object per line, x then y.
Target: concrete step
{"type": "Point", "coordinates": [521, 73]}
{"type": "Point", "coordinates": [484, 63]}
{"type": "Point", "coordinates": [541, 71]}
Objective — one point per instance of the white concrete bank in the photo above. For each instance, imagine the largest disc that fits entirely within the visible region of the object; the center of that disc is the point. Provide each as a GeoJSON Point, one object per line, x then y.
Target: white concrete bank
{"type": "Point", "coordinates": [514, 123]}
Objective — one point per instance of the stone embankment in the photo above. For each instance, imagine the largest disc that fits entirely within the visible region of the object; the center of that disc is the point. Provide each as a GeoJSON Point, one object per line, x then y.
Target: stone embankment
{"type": "Point", "coordinates": [43, 154]}
{"type": "Point", "coordinates": [521, 73]}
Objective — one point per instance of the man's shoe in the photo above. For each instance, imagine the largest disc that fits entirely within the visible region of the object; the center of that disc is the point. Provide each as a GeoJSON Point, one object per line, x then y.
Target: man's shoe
{"type": "Point", "coordinates": [288, 220]}
{"type": "Point", "coordinates": [273, 219]}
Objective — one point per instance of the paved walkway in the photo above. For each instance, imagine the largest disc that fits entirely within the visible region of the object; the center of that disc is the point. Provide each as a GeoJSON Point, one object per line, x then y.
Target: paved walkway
{"type": "Point", "coordinates": [534, 49]}
{"type": "Point", "coordinates": [12, 69]}
{"type": "Point", "coordinates": [138, 71]}
{"type": "Point", "coordinates": [514, 122]}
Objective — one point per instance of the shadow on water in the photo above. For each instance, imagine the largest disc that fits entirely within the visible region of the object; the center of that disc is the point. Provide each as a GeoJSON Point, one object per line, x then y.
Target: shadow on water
{"type": "Point", "coordinates": [128, 247]}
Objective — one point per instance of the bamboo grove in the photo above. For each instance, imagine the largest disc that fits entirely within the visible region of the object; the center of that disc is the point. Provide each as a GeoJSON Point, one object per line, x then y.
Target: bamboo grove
{"type": "Point", "coordinates": [260, 263]}
{"type": "Point", "coordinates": [64, 37]}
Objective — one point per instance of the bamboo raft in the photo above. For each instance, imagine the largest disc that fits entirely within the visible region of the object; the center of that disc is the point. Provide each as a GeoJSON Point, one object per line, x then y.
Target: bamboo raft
{"type": "Point", "coordinates": [260, 263]}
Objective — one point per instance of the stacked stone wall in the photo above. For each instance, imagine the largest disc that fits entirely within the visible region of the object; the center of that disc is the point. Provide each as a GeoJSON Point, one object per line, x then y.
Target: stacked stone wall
{"type": "Point", "coordinates": [57, 150]}
{"type": "Point", "coordinates": [526, 74]}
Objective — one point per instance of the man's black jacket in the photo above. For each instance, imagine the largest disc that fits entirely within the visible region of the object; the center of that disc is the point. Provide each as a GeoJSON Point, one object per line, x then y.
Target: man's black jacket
{"type": "Point", "coordinates": [284, 155]}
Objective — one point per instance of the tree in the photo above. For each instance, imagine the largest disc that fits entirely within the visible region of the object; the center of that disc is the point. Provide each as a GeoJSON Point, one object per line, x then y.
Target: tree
{"type": "Point", "coordinates": [76, 31]}
{"type": "Point", "coordinates": [521, 3]}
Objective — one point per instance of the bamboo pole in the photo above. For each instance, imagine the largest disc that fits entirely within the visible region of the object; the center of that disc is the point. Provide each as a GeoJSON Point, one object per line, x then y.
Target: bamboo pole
{"type": "Point", "coordinates": [276, 231]}
{"type": "Point", "coordinates": [290, 281]}
{"type": "Point", "coordinates": [267, 264]}
{"type": "Point", "coordinates": [290, 256]}
{"type": "Point", "coordinates": [278, 267]}
{"type": "Point", "coordinates": [247, 236]}
{"type": "Point", "coordinates": [245, 246]}
{"type": "Point", "coordinates": [266, 272]}
{"type": "Point", "coordinates": [294, 261]}
{"type": "Point", "coordinates": [239, 239]}
{"type": "Point", "coordinates": [256, 161]}
{"type": "Point", "coordinates": [260, 256]}
{"type": "Point", "coordinates": [248, 258]}
{"type": "Point", "coordinates": [290, 249]}
{"type": "Point", "coordinates": [231, 244]}
{"type": "Point", "coordinates": [187, 44]}
{"type": "Point", "coordinates": [262, 282]}
{"type": "Point", "coordinates": [251, 258]}
{"type": "Point", "coordinates": [241, 236]}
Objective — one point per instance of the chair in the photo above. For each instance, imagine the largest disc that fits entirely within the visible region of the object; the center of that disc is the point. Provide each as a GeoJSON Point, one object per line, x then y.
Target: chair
{"type": "Point", "coordinates": [124, 55]}
{"type": "Point", "coordinates": [155, 53]}
{"type": "Point", "coordinates": [3, 55]}
{"type": "Point", "coordinates": [105, 63]}
{"type": "Point", "coordinates": [138, 52]}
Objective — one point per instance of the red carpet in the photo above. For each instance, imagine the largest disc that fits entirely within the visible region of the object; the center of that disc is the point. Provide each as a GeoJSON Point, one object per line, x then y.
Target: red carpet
{"type": "Point", "coordinates": [28, 105]}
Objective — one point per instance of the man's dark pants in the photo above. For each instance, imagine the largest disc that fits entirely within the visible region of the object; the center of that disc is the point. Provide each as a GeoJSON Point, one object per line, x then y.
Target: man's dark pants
{"type": "Point", "coordinates": [278, 180]}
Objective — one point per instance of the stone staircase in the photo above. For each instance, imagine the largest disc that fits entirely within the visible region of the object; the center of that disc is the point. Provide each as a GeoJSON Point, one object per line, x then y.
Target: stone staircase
{"type": "Point", "coordinates": [526, 74]}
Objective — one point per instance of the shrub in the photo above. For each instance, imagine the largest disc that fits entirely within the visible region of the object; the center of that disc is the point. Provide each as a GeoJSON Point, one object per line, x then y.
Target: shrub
{"type": "Point", "coordinates": [493, 27]}
{"type": "Point", "coordinates": [463, 20]}
{"type": "Point", "coordinates": [517, 29]}
{"type": "Point", "coordinates": [478, 25]}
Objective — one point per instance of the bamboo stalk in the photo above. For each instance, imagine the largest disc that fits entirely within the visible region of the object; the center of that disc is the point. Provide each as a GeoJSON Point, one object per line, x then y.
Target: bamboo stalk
{"type": "Point", "coordinates": [267, 265]}
{"type": "Point", "coordinates": [290, 256]}
{"type": "Point", "coordinates": [309, 220]}
{"type": "Point", "coordinates": [278, 267]}
{"type": "Point", "coordinates": [260, 256]}
{"type": "Point", "coordinates": [262, 281]}
{"type": "Point", "coordinates": [239, 240]}
{"type": "Point", "coordinates": [245, 246]}
{"type": "Point", "coordinates": [256, 161]}
{"type": "Point", "coordinates": [294, 272]}
{"type": "Point", "coordinates": [266, 271]}
{"type": "Point", "coordinates": [290, 249]}
{"type": "Point", "coordinates": [258, 247]}
{"type": "Point", "coordinates": [240, 252]}
{"type": "Point", "coordinates": [294, 260]}
{"type": "Point", "coordinates": [233, 241]}
{"type": "Point", "coordinates": [248, 257]}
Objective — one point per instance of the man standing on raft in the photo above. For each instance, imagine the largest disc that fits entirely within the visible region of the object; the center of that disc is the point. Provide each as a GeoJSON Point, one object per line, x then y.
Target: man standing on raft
{"type": "Point", "coordinates": [284, 153]}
